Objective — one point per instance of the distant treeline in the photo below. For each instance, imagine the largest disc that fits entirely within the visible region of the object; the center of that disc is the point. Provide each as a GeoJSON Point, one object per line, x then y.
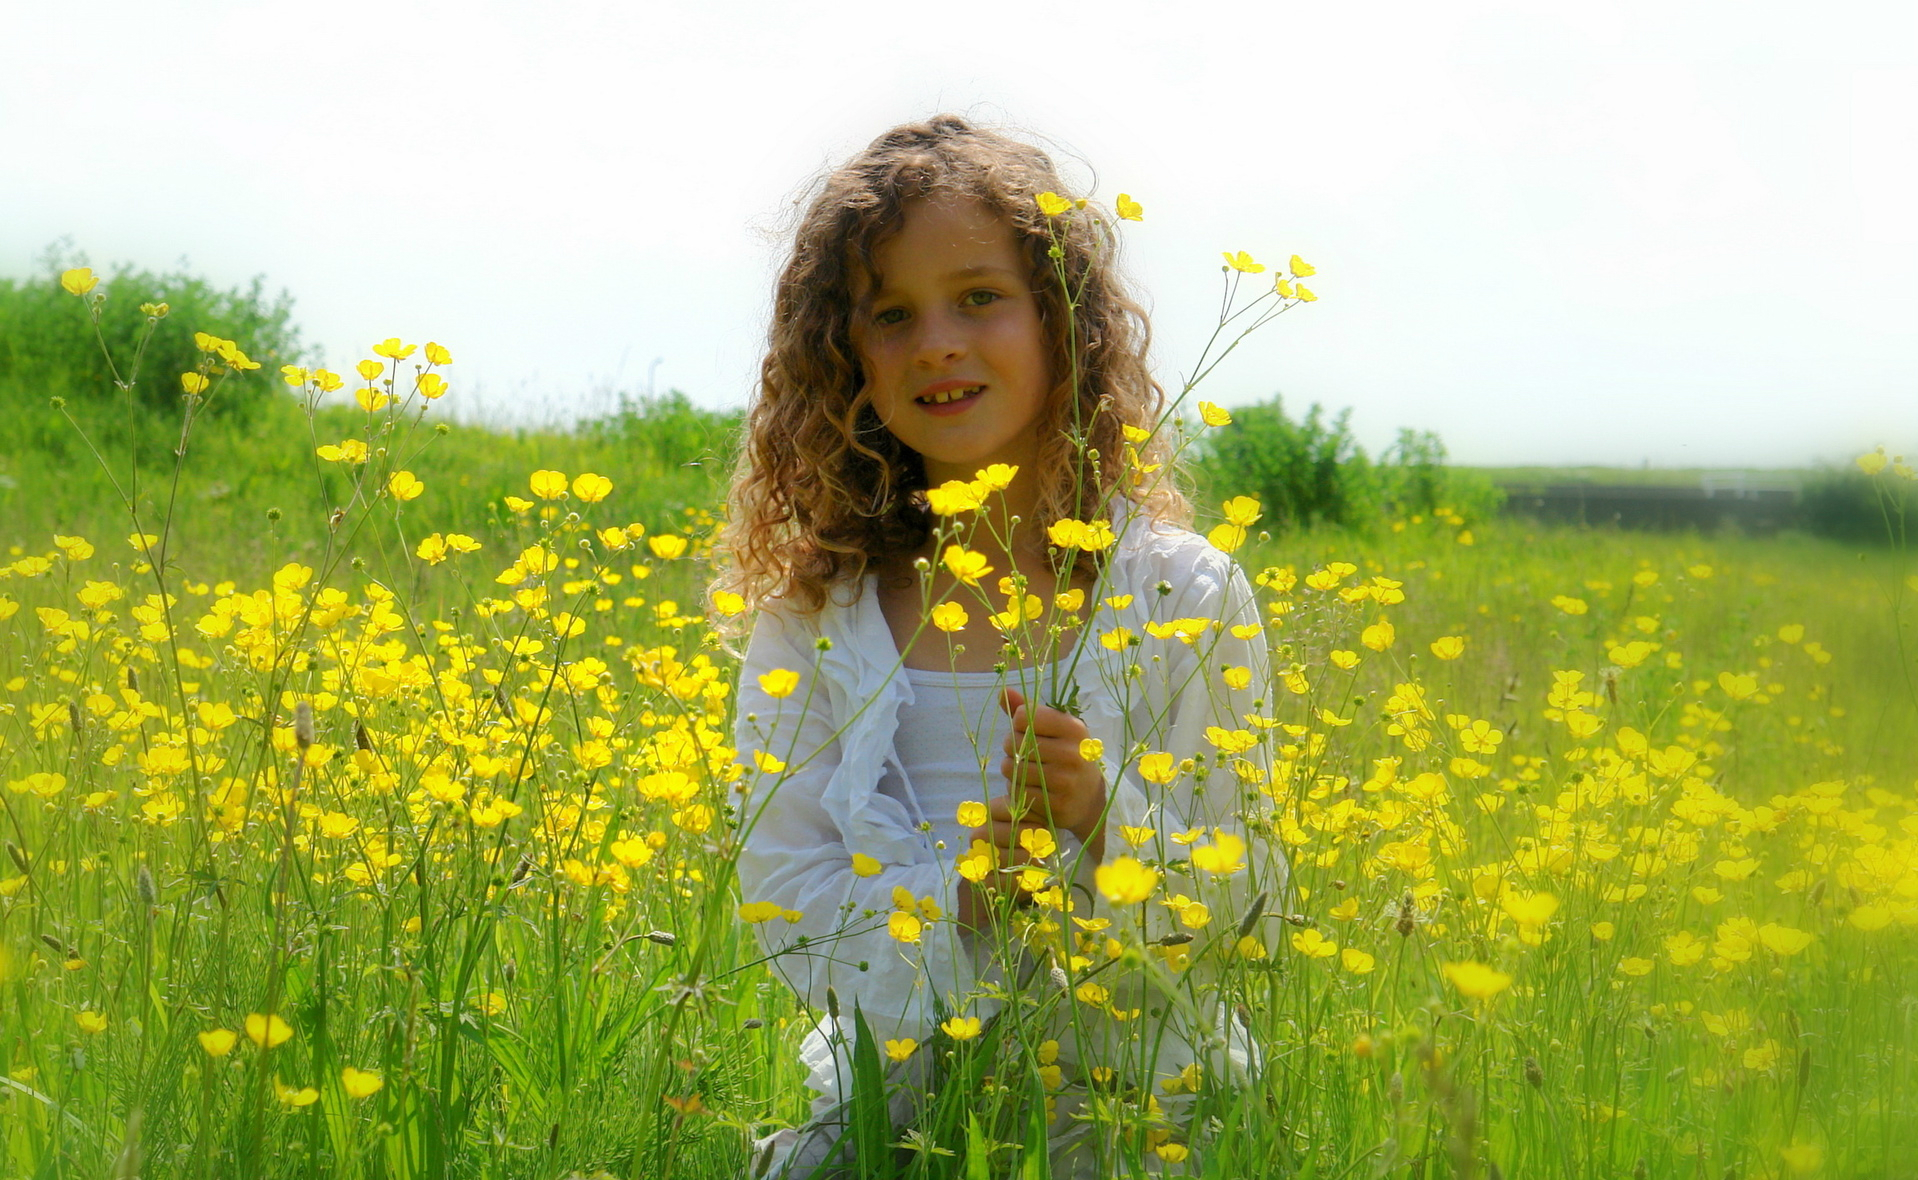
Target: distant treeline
{"type": "Point", "coordinates": [1306, 472]}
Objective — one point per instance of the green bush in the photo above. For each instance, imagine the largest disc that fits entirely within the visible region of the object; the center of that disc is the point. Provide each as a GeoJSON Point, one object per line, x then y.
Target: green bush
{"type": "Point", "coordinates": [48, 346]}
{"type": "Point", "coordinates": [1847, 505]}
{"type": "Point", "coordinates": [1312, 472]}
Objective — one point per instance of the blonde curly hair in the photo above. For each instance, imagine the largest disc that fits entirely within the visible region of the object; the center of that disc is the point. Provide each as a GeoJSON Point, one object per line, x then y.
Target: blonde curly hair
{"type": "Point", "coordinates": [821, 489]}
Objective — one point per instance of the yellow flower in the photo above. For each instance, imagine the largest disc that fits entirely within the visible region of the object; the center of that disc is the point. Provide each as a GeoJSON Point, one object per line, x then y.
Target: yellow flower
{"type": "Point", "coordinates": [369, 369]}
{"type": "Point", "coordinates": [779, 683]}
{"type": "Point", "coordinates": [591, 487]}
{"type": "Point", "coordinates": [1128, 209]}
{"type": "Point", "coordinates": [666, 546]}
{"type": "Point", "coordinates": [548, 485]}
{"type": "Point", "coordinates": [218, 1042]}
{"type": "Point", "coordinates": [1570, 605]}
{"type": "Point", "coordinates": [1091, 536]}
{"type": "Point", "coordinates": [953, 497]}
{"type": "Point", "coordinates": [1635, 966]}
{"type": "Point", "coordinates": [1305, 296]}
{"type": "Point", "coordinates": [1243, 511]}
{"type": "Point", "coordinates": [1158, 768]}
{"type": "Point", "coordinates": [1301, 269]}
{"type": "Point", "coordinates": [904, 927]}
{"type": "Point", "coordinates": [1378, 636]}
{"type": "Point", "coordinates": [1226, 538]}
{"type": "Point", "coordinates": [971, 814]}
{"type": "Point", "coordinates": [1038, 842]}
{"type": "Point", "coordinates": [962, 1028]}
{"type": "Point", "coordinates": [865, 866]}
{"type": "Point", "coordinates": [1448, 647]}
{"type": "Point", "coordinates": [1803, 1158]}
{"type": "Point", "coordinates": [1125, 881]}
{"type": "Point", "coordinates": [901, 1049]}
{"type": "Point", "coordinates": [392, 349]}
{"type": "Point", "coordinates": [728, 604]}
{"type": "Point", "coordinates": [405, 486]}
{"type": "Point", "coordinates": [1213, 415]}
{"type": "Point", "coordinates": [1091, 749]}
{"type": "Point", "coordinates": [996, 477]}
{"type": "Point", "coordinates": [432, 386]}
{"type": "Point", "coordinates": [977, 861]}
{"type": "Point", "coordinates": [1070, 601]}
{"type": "Point", "coordinates": [294, 1096]}
{"type": "Point", "coordinates": [79, 280]}
{"type": "Point", "coordinates": [755, 912]}
{"type": "Point", "coordinates": [194, 382]}
{"type": "Point", "coordinates": [436, 354]}
{"type": "Point", "coordinates": [1052, 204]}
{"type": "Point", "coordinates": [371, 398]}
{"type": "Point", "coordinates": [1738, 687]}
{"type": "Point", "coordinates": [1475, 980]}
{"type": "Point", "coordinates": [1783, 940]}
{"type": "Point", "coordinates": [267, 1031]}
{"type": "Point", "coordinates": [1871, 463]}
{"type": "Point", "coordinates": [360, 1083]}
{"type": "Point", "coordinates": [1242, 262]}
{"type": "Point", "coordinates": [1357, 961]}
{"type": "Point", "coordinates": [1223, 857]}
{"type": "Point", "coordinates": [966, 565]}
{"type": "Point", "coordinates": [1312, 944]}
{"type": "Point", "coordinates": [90, 1021]}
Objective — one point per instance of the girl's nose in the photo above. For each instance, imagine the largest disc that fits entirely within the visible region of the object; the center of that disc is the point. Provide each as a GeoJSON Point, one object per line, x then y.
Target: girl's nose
{"type": "Point", "coordinates": [940, 341]}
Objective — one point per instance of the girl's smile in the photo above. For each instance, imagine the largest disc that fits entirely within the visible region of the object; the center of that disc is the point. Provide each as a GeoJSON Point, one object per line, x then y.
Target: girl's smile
{"type": "Point", "coordinates": [951, 343]}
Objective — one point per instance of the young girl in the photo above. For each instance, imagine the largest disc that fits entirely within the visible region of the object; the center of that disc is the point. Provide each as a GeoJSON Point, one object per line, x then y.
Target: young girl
{"type": "Point", "coordinates": [941, 817]}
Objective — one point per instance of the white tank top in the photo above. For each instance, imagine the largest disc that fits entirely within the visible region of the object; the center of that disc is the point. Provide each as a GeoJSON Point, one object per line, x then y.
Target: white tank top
{"type": "Point", "coordinates": [951, 742]}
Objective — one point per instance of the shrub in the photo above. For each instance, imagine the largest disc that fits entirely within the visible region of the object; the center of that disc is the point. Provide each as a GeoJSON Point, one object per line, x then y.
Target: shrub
{"type": "Point", "coordinates": [45, 349]}
{"type": "Point", "coordinates": [1313, 472]}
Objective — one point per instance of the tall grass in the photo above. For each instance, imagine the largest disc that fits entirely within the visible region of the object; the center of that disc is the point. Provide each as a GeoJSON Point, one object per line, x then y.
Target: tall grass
{"type": "Point", "coordinates": [335, 851]}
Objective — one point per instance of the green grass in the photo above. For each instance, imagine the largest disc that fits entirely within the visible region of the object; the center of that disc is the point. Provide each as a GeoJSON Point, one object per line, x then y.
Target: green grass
{"type": "Point", "coordinates": [565, 989]}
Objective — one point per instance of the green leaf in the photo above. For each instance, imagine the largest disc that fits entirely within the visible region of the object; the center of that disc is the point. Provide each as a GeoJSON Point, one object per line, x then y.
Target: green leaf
{"type": "Point", "coordinates": [871, 1130]}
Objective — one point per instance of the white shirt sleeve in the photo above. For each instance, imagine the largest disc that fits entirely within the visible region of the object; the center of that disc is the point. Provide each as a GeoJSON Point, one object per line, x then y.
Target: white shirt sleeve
{"type": "Point", "coordinates": [1188, 701]}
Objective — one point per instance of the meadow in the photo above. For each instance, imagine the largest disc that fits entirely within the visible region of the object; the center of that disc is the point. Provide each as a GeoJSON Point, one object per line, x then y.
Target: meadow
{"type": "Point", "coordinates": [371, 802]}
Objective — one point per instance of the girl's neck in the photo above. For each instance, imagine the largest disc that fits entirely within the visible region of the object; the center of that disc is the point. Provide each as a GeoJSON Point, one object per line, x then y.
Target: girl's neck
{"type": "Point", "coordinates": [1006, 528]}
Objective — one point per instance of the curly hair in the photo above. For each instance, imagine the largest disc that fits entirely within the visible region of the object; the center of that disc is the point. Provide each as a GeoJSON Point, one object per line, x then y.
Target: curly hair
{"type": "Point", "coordinates": [822, 489]}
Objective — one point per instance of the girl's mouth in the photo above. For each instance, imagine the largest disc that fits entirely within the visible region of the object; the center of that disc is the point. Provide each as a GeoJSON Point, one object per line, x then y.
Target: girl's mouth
{"type": "Point", "coordinates": [949, 401]}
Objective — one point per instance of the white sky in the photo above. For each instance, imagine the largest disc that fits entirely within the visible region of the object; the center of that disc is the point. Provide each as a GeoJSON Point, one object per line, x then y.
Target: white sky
{"type": "Point", "coordinates": [1661, 230]}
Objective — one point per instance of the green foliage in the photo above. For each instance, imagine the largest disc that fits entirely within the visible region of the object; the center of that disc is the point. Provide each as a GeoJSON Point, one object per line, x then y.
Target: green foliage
{"type": "Point", "coordinates": [1312, 472]}
{"type": "Point", "coordinates": [1847, 505]}
{"type": "Point", "coordinates": [669, 431]}
{"type": "Point", "coordinates": [48, 347]}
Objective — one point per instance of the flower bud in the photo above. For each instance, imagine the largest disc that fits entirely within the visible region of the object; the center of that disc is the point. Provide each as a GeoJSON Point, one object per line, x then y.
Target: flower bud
{"type": "Point", "coordinates": [303, 725]}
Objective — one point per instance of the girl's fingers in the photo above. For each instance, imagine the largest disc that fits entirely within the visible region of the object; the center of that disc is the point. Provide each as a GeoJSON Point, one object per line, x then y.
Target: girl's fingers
{"type": "Point", "coordinates": [1061, 749]}
{"type": "Point", "coordinates": [1045, 720]}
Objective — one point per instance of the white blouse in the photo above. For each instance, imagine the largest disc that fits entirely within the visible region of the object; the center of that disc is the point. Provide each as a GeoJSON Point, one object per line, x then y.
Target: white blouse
{"type": "Point", "coordinates": [950, 742]}
{"type": "Point", "coordinates": [847, 786]}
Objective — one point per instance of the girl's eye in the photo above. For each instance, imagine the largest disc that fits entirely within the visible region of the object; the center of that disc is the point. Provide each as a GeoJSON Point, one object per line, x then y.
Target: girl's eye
{"type": "Point", "coordinates": [980, 298]}
{"type": "Point", "coordinates": [891, 315]}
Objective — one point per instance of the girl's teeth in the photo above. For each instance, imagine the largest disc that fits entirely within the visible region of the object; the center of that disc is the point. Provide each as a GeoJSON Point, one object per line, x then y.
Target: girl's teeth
{"type": "Point", "coordinates": [952, 395]}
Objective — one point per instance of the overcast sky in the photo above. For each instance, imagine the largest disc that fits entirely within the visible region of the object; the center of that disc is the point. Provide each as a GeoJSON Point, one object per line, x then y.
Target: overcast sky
{"type": "Point", "coordinates": [1664, 231]}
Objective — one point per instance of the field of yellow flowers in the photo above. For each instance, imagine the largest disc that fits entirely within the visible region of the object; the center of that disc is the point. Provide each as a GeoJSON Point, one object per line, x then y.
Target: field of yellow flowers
{"type": "Point", "coordinates": [415, 859]}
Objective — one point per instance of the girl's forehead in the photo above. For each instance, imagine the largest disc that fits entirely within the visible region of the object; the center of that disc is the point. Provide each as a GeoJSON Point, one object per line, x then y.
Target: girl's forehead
{"type": "Point", "coordinates": [949, 238]}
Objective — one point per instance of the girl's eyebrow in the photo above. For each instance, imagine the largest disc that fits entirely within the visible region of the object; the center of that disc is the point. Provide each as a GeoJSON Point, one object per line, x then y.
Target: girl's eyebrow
{"type": "Point", "coordinates": [964, 272]}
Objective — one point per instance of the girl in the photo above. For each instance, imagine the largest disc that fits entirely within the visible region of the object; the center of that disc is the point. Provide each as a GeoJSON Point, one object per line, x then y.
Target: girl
{"type": "Point", "coordinates": [953, 815]}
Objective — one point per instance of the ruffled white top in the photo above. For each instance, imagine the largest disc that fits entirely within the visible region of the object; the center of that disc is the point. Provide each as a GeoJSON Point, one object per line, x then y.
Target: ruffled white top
{"type": "Point", "coordinates": [872, 752]}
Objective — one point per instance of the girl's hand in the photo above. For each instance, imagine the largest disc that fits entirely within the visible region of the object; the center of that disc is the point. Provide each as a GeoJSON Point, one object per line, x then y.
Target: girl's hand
{"type": "Point", "coordinates": [1047, 779]}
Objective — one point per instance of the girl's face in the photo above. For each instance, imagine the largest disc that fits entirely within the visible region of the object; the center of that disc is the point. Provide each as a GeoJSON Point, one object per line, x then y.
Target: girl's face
{"type": "Point", "coordinates": [954, 352]}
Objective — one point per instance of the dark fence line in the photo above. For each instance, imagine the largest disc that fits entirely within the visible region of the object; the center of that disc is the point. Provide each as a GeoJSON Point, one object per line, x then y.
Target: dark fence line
{"type": "Point", "coordinates": [1749, 507]}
